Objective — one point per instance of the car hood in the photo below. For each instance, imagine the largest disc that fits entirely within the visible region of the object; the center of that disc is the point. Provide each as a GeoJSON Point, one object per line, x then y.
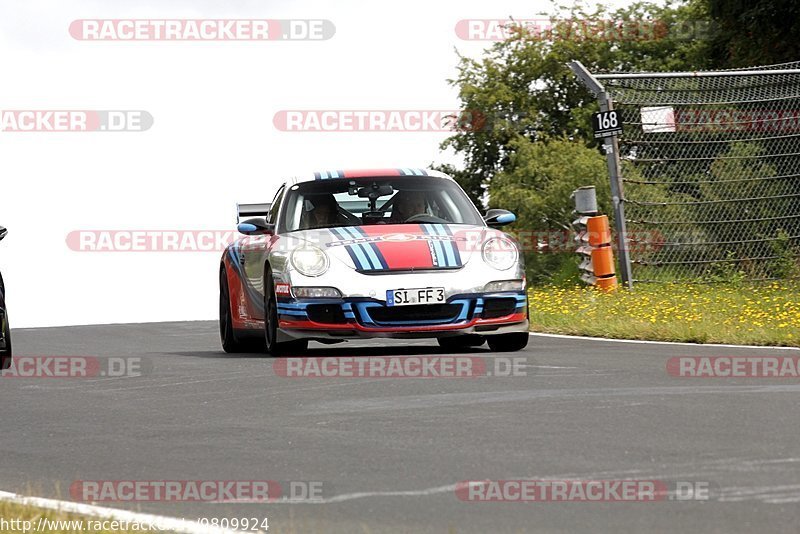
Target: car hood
{"type": "Point", "coordinates": [400, 247]}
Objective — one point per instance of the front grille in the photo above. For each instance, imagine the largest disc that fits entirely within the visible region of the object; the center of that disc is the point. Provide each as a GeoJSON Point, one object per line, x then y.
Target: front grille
{"type": "Point", "coordinates": [498, 307]}
{"type": "Point", "coordinates": [325, 313]}
{"type": "Point", "coordinates": [416, 313]}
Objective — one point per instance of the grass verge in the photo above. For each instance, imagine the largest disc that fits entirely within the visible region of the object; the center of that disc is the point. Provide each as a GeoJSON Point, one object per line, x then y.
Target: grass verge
{"type": "Point", "coordinates": [767, 314]}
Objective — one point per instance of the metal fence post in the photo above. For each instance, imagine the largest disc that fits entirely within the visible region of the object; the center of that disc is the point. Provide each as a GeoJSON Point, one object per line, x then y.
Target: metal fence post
{"type": "Point", "coordinates": [611, 147]}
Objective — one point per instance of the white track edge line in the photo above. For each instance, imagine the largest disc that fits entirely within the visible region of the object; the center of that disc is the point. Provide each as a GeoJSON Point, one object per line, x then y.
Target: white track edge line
{"type": "Point", "coordinates": [165, 523]}
{"type": "Point", "coordinates": [648, 342]}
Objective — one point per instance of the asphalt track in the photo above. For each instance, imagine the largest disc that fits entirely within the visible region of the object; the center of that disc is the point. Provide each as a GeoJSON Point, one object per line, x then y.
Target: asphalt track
{"type": "Point", "coordinates": [389, 451]}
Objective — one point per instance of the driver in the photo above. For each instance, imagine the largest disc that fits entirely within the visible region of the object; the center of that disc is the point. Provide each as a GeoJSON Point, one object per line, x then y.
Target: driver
{"type": "Point", "coordinates": [407, 204]}
{"type": "Point", "coordinates": [321, 210]}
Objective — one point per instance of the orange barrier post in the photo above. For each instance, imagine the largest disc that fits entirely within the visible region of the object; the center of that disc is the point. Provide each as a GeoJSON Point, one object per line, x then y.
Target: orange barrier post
{"type": "Point", "coordinates": [594, 241]}
{"type": "Point", "coordinates": [602, 255]}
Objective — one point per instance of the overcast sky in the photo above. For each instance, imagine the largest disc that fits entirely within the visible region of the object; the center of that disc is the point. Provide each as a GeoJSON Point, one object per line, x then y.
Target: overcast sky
{"type": "Point", "coordinates": [212, 142]}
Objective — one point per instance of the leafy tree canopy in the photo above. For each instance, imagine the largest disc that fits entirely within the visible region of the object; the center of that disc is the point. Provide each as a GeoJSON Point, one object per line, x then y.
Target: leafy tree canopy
{"type": "Point", "coordinates": [754, 32]}
{"type": "Point", "coordinates": [522, 87]}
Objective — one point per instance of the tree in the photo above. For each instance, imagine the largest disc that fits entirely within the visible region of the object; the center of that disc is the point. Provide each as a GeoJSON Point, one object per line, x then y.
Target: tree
{"type": "Point", "coordinates": [536, 186]}
{"type": "Point", "coordinates": [532, 143]}
{"type": "Point", "coordinates": [747, 33]}
{"type": "Point", "coordinates": [523, 87]}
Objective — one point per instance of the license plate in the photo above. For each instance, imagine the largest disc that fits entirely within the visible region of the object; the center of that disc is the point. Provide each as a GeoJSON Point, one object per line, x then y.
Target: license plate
{"type": "Point", "coordinates": [423, 295]}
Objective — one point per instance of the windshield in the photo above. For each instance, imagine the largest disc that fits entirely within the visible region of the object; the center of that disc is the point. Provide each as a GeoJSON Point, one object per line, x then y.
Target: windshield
{"type": "Point", "coordinates": [368, 201]}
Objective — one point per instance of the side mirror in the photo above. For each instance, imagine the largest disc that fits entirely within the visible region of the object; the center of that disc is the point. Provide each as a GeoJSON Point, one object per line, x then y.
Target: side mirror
{"type": "Point", "coordinates": [255, 226]}
{"type": "Point", "coordinates": [3, 233]}
{"type": "Point", "coordinates": [496, 218]}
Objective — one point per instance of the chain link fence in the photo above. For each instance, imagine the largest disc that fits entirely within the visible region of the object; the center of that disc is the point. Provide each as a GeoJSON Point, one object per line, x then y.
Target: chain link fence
{"type": "Point", "coordinates": [709, 165]}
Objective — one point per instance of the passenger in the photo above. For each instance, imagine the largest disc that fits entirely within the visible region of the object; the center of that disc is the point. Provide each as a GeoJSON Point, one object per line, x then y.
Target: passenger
{"type": "Point", "coordinates": [407, 204]}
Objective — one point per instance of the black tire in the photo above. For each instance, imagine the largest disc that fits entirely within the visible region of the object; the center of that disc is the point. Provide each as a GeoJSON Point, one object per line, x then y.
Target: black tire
{"type": "Point", "coordinates": [508, 342]}
{"type": "Point", "coordinates": [461, 342]}
{"type": "Point", "coordinates": [231, 342]}
{"type": "Point", "coordinates": [5, 343]}
{"type": "Point", "coordinates": [5, 352]}
{"type": "Point", "coordinates": [275, 348]}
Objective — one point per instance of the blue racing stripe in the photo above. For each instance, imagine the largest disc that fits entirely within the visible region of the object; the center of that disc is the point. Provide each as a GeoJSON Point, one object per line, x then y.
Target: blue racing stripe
{"type": "Point", "coordinates": [291, 312]}
{"type": "Point", "coordinates": [292, 305]}
{"type": "Point", "coordinates": [359, 261]}
{"type": "Point", "coordinates": [456, 253]}
{"type": "Point", "coordinates": [373, 258]}
{"type": "Point", "coordinates": [339, 233]}
{"type": "Point", "coordinates": [452, 252]}
{"type": "Point", "coordinates": [234, 253]}
{"type": "Point", "coordinates": [371, 253]}
{"type": "Point", "coordinates": [441, 256]}
{"type": "Point", "coordinates": [363, 262]}
{"type": "Point", "coordinates": [377, 252]}
{"type": "Point", "coordinates": [453, 256]}
{"type": "Point", "coordinates": [447, 246]}
{"type": "Point", "coordinates": [366, 263]}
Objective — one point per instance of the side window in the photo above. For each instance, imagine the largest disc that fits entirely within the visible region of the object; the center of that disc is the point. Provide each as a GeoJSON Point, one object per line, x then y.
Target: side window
{"type": "Point", "coordinates": [446, 208]}
{"type": "Point", "coordinates": [272, 217]}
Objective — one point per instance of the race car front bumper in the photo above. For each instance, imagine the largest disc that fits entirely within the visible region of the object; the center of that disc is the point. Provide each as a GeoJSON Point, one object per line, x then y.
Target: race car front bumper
{"type": "Point", "coordinates": [484, 313]}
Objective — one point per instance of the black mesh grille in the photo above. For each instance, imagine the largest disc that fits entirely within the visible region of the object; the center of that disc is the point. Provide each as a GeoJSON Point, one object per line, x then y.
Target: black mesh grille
{"type": "Point", "coordinates": [325, 313]}
{"type": "Point", "coordinates": [418, 313]}
{"type": "Point", "coordinates": [498, 307]}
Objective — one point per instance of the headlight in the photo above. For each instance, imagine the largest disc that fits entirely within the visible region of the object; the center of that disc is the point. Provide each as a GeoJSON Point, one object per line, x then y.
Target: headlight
{"type": "Point", "coordinates": [500, 253]}
{"type": "Point", "coordinates": [310, 260]}
{"type": "Point", "coordinates": [500, 286]}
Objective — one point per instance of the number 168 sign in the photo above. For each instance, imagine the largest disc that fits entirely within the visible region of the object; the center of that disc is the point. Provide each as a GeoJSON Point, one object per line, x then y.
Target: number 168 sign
{"type": "Point", "coordinates": [606, 123]}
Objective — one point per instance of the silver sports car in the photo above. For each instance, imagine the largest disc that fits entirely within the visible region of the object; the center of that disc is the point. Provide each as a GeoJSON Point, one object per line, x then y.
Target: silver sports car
{"type": "Point", "coordinates": [399, 253]}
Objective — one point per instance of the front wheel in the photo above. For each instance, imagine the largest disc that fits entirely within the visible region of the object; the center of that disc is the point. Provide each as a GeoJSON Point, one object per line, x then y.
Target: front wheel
{"type": "Point", "coordinates": [227, 334]}
{"type": "Point", "coordinates": [274, 347]}
{"type": "Point", "coordinates": [5, 341]}
{"type": "Point", "coordinates": [508, 342]}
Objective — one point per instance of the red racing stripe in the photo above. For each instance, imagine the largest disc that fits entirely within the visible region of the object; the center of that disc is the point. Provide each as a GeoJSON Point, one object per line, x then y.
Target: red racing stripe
{"type": "Point", "coordinates": [398, 251]}
{"type": "Point", "coordinates": [369, 173]}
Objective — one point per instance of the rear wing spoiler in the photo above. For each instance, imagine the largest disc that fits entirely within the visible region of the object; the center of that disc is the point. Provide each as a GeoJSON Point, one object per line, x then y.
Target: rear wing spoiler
{"type": "Point", "coordinates": [251, 210]}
